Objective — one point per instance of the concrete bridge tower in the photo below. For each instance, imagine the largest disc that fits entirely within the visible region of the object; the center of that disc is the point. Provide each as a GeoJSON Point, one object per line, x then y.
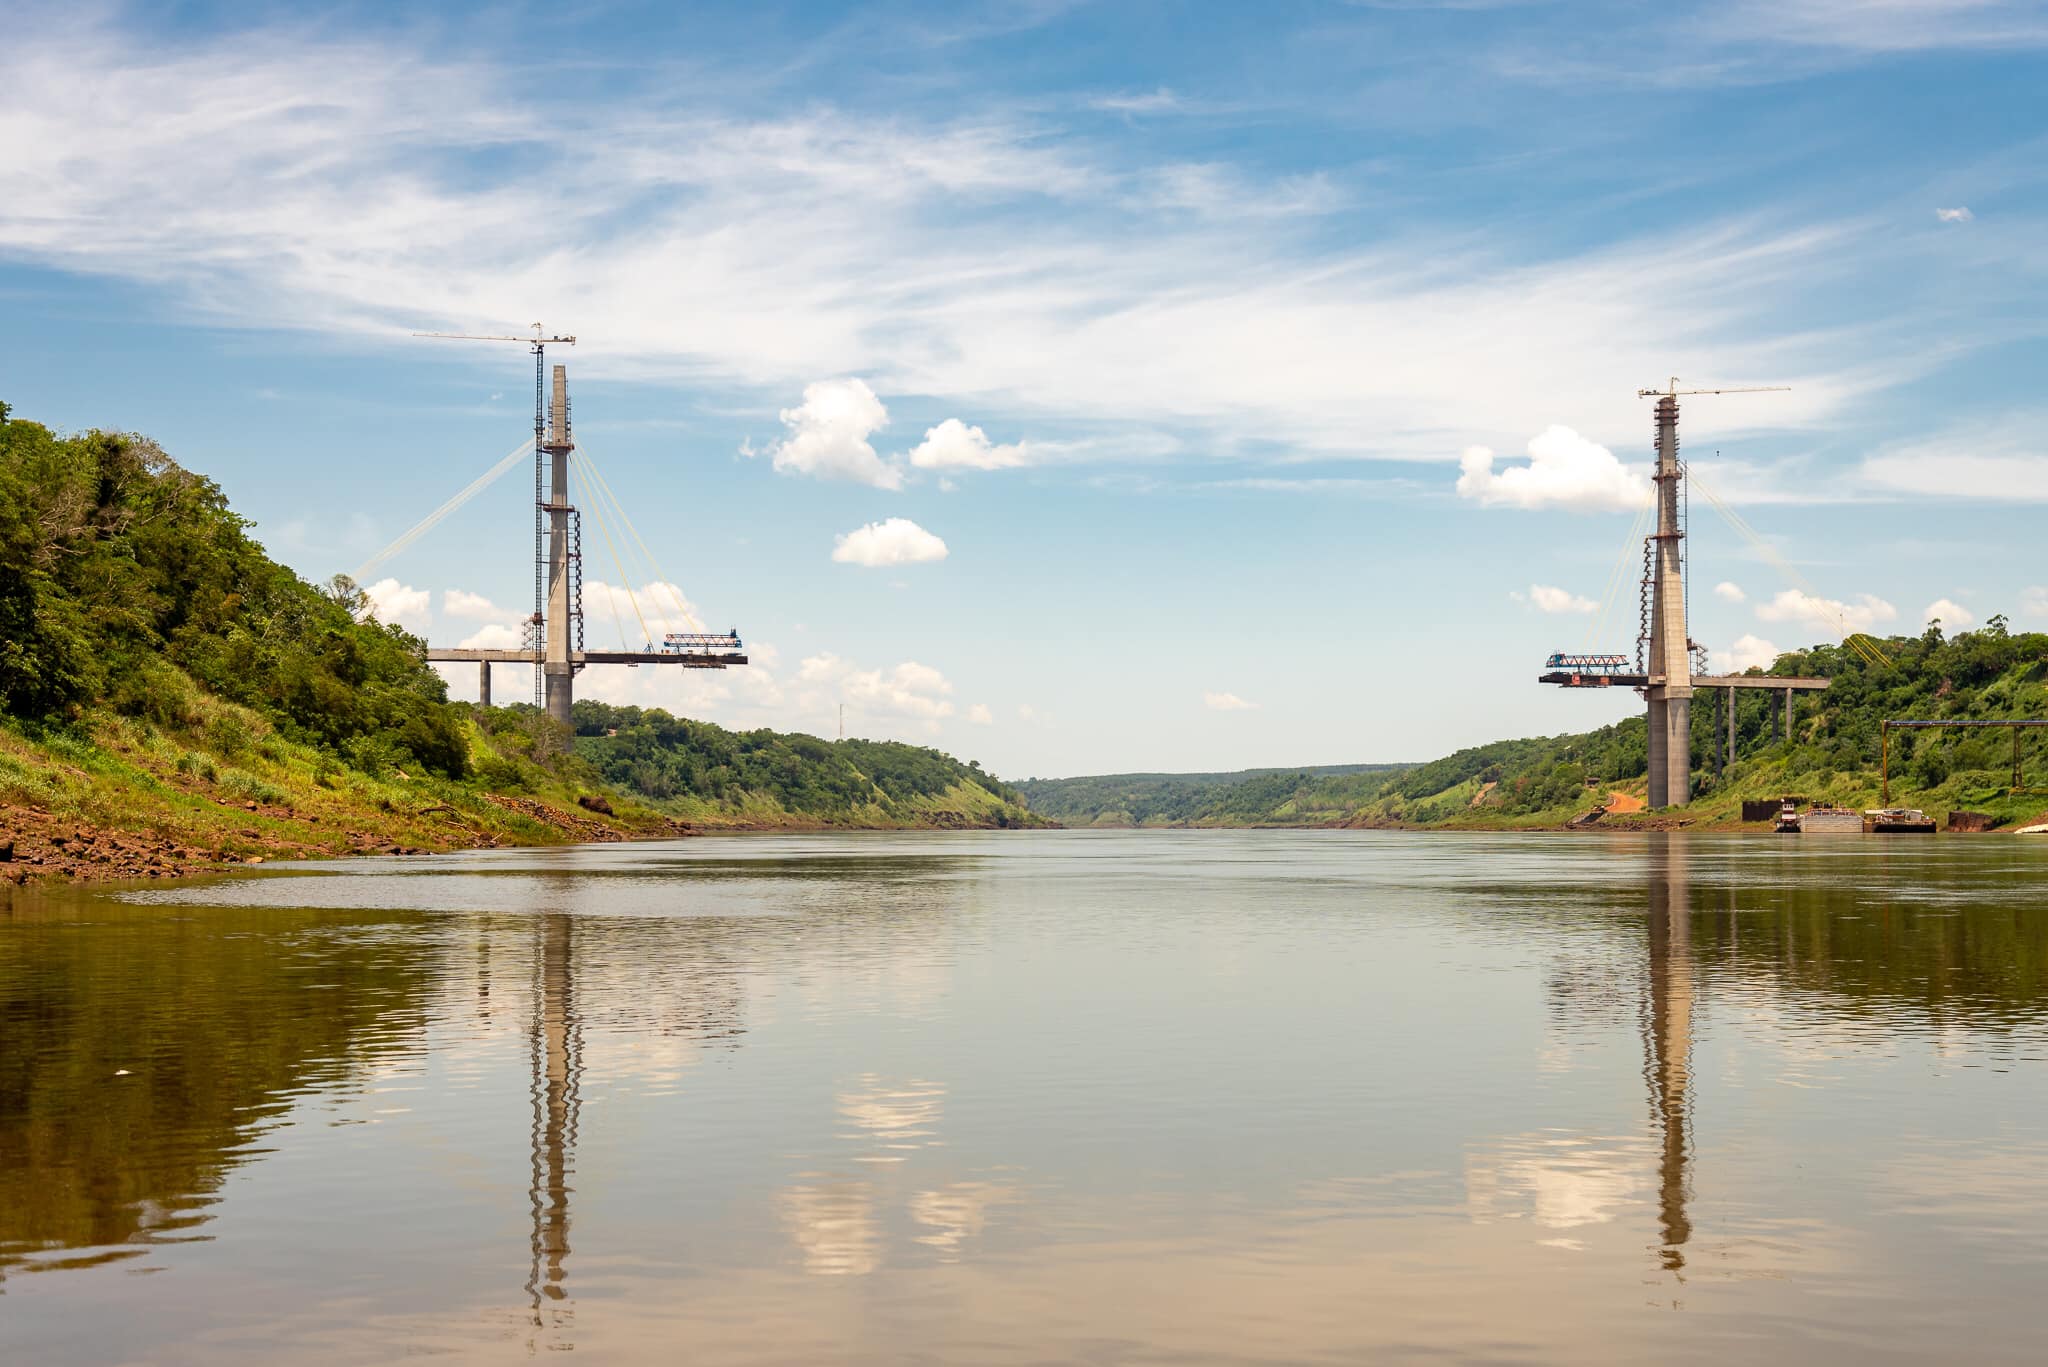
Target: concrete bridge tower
{"type": "Point", "coordinates": [558, 669]}
{"type": "Point", "coordinates": [1670, 659]}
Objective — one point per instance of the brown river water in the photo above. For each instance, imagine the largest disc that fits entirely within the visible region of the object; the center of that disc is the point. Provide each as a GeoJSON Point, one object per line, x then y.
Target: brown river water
{"type": "Point", "coordinates": [1039, 1097]}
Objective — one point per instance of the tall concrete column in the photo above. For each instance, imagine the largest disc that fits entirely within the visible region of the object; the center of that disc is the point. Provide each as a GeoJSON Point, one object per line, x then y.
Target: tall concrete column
{"type": "Point", "coordinates": [1788, 714]}
{"type": "Point", "coordinates": [560, 674]}
{"type": "Point", "coordinates": [1731, 726]}
{"type": "Point", "coordinates": [483, 683]}
{"type": "Point", "coordinates": [1670, 663]}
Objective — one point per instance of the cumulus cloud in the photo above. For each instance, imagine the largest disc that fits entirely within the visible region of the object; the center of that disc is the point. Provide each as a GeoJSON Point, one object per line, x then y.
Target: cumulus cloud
{"type": "Point", "coordinates": [1564, 471]}
{"type": "Point", "coordinates": [400, 604]}
{"type": "Point", "coordinates": [473, 607]}
{"type": "Point", "coordinates": [828, 435]}
{"type": "Point", "coordinates": [1959, 214]}
{"type": "Point", "coordinates": [1951, 614]}
{"type": "Point", "coordinates": [1730, 593]}
{"type": "Point", "coordinates": [1827, 614]}
{"type": "Point", "coordinates": [640, 616]}
{"type": "Point", "coordinates": [2034, 601]}
{"type": "Point", "coordinates": [1748, 652]}
{"type": "Point", "coordinates": [1549, 598]}
{"type": "Point", "coordinates": [953, 445]}
{"type": "Point", "coordinates": [909, 691]}
{"type": "Point", "coordinates": [980, 715]}
{"type": "Point", "coordinates": [1227, 702]}
{"type": "Point", "coordinates": [496, 636]}
{"type": "Point", "coordinates": [896, 541]}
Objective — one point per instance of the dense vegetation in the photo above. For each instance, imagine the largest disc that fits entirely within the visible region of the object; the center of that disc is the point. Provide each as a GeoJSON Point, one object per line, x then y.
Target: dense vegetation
{"type": "Point", "coordinates": [1247, 797]}
{"type": "Point", "coordinates": [666, 758]}
{"type": "Point", "coordinates": [1833, 753]}
{"type": "Point", "coordinates": [125, 580]}
{"type": "Point", "coordinates": [159, 672]}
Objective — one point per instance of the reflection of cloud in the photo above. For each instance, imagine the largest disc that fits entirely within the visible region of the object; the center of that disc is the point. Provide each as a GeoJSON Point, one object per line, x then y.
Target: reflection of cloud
{"type": "Point", "coordinates": [900, 1117]}
{"type": "Point", "coordinates": [835, 1227]}
{"type": "Point", "coordinates": [958, 1212]}
{"type": "Point", "coordinates": [1560, 1179]}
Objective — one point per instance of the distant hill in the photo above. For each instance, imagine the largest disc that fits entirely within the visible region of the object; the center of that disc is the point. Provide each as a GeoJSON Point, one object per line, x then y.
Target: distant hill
{"type": "Point", "coordinates": [1542, 781]}
{"type": "Point", "coordinates": [1246, 797]}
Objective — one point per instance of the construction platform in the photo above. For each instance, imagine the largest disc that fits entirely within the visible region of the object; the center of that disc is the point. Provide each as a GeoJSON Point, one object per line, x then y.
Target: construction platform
{"type": "Point", "coordinates": [460, 655]}
{"type": "Point", "coordinates": [1567, 678]}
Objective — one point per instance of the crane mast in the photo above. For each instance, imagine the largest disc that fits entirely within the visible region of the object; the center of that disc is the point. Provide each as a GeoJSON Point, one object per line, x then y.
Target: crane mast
{"type": "Point", "coordinates": [1668, 689]}
{"type": "Point", "coordinates": [556, 603]}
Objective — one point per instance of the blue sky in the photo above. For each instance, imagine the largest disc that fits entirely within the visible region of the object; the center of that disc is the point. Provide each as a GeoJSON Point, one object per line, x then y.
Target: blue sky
{"type": "Point", "coordinates": [1175, 328]}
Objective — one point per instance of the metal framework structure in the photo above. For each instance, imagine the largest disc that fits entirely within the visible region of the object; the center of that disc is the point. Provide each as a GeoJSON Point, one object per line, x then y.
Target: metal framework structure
{"type": "Point", "coordinates": [553, 639]}
{"type": "Point", "coordinates": [1666, 670]}
{"type": "Point", "coordinates": [1885, 729]}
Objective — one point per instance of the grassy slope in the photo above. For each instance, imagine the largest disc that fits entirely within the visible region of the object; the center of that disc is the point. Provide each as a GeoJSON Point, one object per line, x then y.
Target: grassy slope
{"type": "Point", "coordinates": [171, 696]}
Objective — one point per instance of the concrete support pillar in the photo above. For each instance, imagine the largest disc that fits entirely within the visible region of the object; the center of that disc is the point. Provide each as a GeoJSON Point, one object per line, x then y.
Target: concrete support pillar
{"type": "Point", "coordinates": [483, 683]}
{"type": "Point", "coordinates": [1788, 714]}
{"type": "Point", "coordinates": [1660, 775]}
{"type": "Point", "coordinates": [1731, 727]}
{"type": "Point", "coordinates": [1678, 749]}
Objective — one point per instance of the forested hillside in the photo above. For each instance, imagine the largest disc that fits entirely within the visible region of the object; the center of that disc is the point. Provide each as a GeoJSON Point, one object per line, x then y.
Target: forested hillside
{"type": "Point", "coordinates": [1832, 755]}
{"type": "Point", "coordinates": [171, 696]}
{"type": "Point", "coordinates": [1247, 797]}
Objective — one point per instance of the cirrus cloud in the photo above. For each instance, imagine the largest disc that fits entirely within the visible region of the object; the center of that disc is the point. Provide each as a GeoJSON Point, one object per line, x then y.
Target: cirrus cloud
{"type": "Point", "coordinates": [1227, 702]}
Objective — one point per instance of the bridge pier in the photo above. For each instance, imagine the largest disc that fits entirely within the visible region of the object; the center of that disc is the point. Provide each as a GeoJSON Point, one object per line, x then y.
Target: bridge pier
{"type": "Point", "coordinates": [1729, 694]}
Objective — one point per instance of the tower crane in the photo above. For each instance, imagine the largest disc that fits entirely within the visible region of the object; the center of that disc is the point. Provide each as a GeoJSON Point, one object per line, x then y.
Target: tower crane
{"type": "Point", "coordinates": [536, 626]}
{"type": "Point", "coordinates": [1669, 666]}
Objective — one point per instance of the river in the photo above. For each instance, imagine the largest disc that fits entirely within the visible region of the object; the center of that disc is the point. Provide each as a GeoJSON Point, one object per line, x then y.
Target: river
{"type": "Point", "coordinates": [1026, 1097]}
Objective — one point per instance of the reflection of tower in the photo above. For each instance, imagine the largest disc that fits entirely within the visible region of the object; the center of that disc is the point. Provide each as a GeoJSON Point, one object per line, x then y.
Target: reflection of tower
{"type": "Point", "coordinates": [557, 1056]}
{"type": "Point", "coordinates": [1668, 1041]}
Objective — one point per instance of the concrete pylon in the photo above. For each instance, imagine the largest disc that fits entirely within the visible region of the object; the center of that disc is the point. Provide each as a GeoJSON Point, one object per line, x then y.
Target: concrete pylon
{"type": "Point", "coordinates": [1670, 662]}
{"type": "Point", "coordinates": [559, 672]}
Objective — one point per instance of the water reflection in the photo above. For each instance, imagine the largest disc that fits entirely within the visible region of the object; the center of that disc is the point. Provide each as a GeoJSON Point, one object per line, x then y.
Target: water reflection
{"type": "Point", "coordinates": [1668, 1037]}
{"type": "Point", "coordinates": [1205, 1097]}
{"type": "Point", "coordinates": [557, 1059]}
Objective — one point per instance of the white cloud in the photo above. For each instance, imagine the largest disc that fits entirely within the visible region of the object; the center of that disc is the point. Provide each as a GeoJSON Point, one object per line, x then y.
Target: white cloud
{"type": "Point", "coordinates": [1829, 615]}
{"type": "Point", "coordinates": [1952, 615]}
{"type": "Point", "coordinates": [639, 617]}
{"type": "Point", "coordinates": [895, 541]}
{"type": "Point", "coordinates": [1748, 652]}
{"type": "Point", "coordinates": [474, 607]}
{"type": "Point", "coordinates": [401, 604]}
{"type": "Point", "coordinates": [1564, 471]}
{"type": "Point", "coordinates": [953, 445]}
{"type": "Point", "coordinates": [1027, 713]}
{"type": "Point", "coordinates": [909, 691]}
{"type": "Point", "coordinates": [1227, 702]}
{"type": "Point", "coordinates": [828, 435]}
{"type": "Point", "coordinates": [980, 715]}
{"type": "Point", "coordinates": [1549, 598]}
{"type": "Point", "coordinates": [287, 178]}
{"type": "Point", "coordinates": [2034, 601]}
{"type": "Point", "coordinates": [1730, 593]}
{"type": "Point", "coordinates": [496, 636]}
{"type": "Point", "coordinates": [1959, 214]}
{"type": "Point", "coordinates": [1999, 460]}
